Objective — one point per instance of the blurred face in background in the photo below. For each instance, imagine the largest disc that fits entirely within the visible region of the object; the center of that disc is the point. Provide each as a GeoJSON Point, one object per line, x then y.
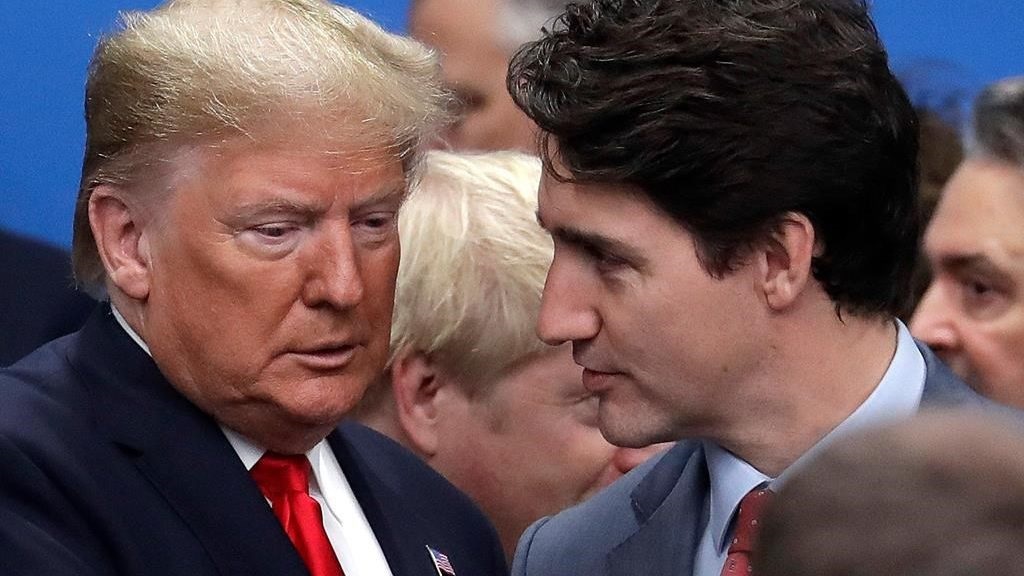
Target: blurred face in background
{"type": "Point", "coordinates": [474, 65]}
{"type": "Point", "coordinates": [530, 446]}
{"type": "Point", "coordinates": [973, 312]}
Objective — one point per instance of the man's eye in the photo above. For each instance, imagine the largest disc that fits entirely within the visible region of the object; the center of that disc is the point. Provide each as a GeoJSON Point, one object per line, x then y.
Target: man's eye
{"type": "Point", "coordinates": [377, 225]}
{"type": "Point", "coordinates": [982, 299]}
{"type": "Point", "coordinates": [603, 258]}
{"type": "Point", "coordinates": [377, 222]}
{"type": "Point", "coordinates": [975, 289]}
{"type": "Point", "coordinates": [273, 230]}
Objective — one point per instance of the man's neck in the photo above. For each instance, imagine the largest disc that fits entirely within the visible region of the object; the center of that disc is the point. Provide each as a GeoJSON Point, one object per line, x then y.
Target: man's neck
{"type": "Point", "coordinates": [819, 375]}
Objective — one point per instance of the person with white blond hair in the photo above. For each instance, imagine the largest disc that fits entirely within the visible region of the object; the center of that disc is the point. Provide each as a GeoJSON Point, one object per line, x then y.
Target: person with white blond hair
{"type": "Point", "coordinates": [476, 41]}
{"type": "Point", "coordinates": [244, 167]}
{"type": "Point", "coordinates": [469, 386]}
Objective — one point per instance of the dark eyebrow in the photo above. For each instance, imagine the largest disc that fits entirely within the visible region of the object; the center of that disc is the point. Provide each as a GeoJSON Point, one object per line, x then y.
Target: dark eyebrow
{"type": "Point", "coordinates": [604, 244]}
{"type": "Point", "coordinates": [972, 264]}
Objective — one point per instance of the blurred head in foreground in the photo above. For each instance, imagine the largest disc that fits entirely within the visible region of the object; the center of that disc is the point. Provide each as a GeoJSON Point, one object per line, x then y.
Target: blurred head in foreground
{"type": "Point", "coordinates": [939, 495]}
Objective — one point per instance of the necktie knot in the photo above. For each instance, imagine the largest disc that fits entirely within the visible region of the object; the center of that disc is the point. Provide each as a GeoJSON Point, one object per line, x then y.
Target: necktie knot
{"type": "Point", "coordinates": [284, 481]}
{"type": "Point", "coordinates": [282, 474]}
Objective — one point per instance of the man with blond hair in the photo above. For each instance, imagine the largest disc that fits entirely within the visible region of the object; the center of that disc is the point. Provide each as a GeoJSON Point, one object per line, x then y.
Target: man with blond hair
{"type": "Point", "coordinates": [245, 162]}
{"type": "Point", "coordinates": [469, 387]}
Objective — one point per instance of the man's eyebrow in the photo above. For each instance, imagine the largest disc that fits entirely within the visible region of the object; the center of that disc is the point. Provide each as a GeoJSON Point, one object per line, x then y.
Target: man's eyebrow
{"type": "Point", "coordinates": [276, 206]}
{"type": "Point", "coordinates": [389, 194]}
{"type": "Point", "coordinates": [611, 246]}
{"type": "Point", "coordinates": [395, 193]}
{"type": "Point", "coordinates": [971, 263]}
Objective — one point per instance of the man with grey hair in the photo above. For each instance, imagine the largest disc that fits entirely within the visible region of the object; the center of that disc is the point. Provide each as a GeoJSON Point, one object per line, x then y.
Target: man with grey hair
{"type": "Point", "coordinates": [972, 314]}
{"type": "Point", "coordinates": [475, 41]}
{"type": "Point", "coordinates": [245, 162]}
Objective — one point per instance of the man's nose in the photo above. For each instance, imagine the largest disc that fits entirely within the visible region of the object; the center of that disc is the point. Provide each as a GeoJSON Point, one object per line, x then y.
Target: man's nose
{"type": "Point", "coordinates": [934, 321]}
{"type": "Point", "coordinates": [334, 277]}
{"type": "Point", "coordinates": [566, 309]}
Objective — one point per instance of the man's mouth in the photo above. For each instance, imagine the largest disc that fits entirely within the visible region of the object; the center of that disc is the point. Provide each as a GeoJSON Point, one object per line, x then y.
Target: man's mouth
{"type": "Point", "coordinates": [326, 357]}
{"type": "Point", "coordinates": [596, 381]}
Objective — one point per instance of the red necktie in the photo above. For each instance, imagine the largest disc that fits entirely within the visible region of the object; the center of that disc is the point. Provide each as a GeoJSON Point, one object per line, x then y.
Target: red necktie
{"type": "Point", "coordinates": [737, 563]}
{"type": "Point", "coordinates": [284, 480]}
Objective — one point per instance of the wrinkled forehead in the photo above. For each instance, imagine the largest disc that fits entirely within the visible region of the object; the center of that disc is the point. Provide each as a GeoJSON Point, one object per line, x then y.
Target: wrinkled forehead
{"type": "Point", "coordinates": [983, 203]}
{"type": "Point", "coordinates": [264, 161]}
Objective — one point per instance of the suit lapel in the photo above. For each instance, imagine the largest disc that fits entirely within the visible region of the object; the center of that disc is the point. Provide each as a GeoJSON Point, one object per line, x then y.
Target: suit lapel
{"type": "Point", "coordinates": [183, 454]}
{"type": "Point", "coordinates": [669, 505]}
{"type": "Point", "coordinates": [942, 387]}
{"type": "Point", "coordinates": [670, 502]}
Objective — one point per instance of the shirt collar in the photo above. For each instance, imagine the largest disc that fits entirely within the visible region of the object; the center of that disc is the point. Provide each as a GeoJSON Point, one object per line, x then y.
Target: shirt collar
{"type": "Point", "coordinates": [124, 324]}
{"type": "Point", "coordinates": [248, 451]}
{"type": "Point", "coordinates": [897, 395]}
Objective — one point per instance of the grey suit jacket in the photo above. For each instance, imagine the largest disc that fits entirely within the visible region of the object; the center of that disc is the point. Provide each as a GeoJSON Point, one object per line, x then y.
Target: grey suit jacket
{"type": "Point", "coordinates": [649, 522]}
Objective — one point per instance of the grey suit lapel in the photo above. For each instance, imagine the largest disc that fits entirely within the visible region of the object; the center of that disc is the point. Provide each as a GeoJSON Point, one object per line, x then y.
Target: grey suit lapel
{"type": "Point", "coordinates": [942, 387]}
{"type": "Point", "coordinates": [670, 502]}
{"type": "Point", "coordinates": [670, 509]}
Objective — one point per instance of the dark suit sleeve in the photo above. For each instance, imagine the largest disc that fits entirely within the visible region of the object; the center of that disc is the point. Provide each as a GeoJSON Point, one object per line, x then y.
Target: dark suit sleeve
{"type": "Point", "coordinates": [41, 532]}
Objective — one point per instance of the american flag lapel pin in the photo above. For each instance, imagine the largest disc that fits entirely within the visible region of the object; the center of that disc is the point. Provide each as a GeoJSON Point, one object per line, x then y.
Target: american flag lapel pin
{"type": "Point", "coordinates": [441, 562]}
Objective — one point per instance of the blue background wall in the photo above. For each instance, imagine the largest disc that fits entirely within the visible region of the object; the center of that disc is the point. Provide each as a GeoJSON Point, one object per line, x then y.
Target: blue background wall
{"type": "Point", "coordinates": [943, 48]}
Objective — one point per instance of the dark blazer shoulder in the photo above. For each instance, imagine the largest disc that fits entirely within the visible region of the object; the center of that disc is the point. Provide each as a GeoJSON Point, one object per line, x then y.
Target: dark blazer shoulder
{"type": "Point", "coordinates": [38, 302]}
{"type": "Point", "coordinates": [411, 507]}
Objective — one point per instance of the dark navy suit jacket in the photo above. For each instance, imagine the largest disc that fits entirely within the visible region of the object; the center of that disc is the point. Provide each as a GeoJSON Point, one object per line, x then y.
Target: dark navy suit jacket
{"type": "Point", "coordinates": [650, 521]}
{"type": "Point", "coordinates": [106, 469]}
{"type": "Point", "coordinates": [38, 301]}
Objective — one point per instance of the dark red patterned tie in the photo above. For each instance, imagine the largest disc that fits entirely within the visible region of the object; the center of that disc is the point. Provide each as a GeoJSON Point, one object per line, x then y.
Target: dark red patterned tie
{"type": "Point", "coordinates": [737, 563]}
{"type": "Point", "coordinates": [284, 480]}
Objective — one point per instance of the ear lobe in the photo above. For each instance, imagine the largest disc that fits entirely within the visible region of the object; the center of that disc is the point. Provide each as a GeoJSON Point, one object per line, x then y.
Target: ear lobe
{"type": "Point", "coordinates": [787, 260]}
{"type": "Point", "coordinates": [415, 384]}
{"type": "Point", "coordinates": [120, 242]}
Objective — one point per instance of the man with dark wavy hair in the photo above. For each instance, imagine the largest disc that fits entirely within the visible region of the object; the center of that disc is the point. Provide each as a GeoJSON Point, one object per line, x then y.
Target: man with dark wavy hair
{"type": "Point", "coordinates": [730, 189]}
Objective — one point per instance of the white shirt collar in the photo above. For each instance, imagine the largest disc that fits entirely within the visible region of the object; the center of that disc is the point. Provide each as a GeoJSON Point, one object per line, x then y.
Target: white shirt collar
{"type": "Point", "coordinates": [124, 324]}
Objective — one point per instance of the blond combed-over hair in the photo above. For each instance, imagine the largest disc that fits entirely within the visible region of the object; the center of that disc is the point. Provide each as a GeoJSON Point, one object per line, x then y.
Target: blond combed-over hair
{"type": "Point", "coordinates": [198, 72]}
{"type": "Point", "coordinates": [474, 260]}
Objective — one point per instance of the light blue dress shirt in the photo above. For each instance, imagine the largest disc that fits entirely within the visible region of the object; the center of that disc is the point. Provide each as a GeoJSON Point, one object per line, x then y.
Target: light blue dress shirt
{"type": "Point", "coordinates": [898, 395]}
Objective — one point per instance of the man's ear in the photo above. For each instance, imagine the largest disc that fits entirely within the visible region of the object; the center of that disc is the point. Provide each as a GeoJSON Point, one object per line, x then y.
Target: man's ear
{"type": "Point", "coordinates": [415, 384]}
{"type": "Point", "coordinates": [786, 260]}
{"type": "Point", "coordinates": [119, 239]}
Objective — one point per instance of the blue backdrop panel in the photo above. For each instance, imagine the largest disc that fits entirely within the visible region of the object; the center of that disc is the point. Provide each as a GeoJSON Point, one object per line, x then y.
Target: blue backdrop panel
{"type": "Point", "coordinates": [941, 46]}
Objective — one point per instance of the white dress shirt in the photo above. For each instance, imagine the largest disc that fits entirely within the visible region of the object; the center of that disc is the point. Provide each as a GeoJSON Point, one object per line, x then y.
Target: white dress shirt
{"type": "Point", "coordinates": [898, 395]}
{"type": "Point", "coordinates": [347, 528]}
{"type": "Point", "coordinates": [349, 532]}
